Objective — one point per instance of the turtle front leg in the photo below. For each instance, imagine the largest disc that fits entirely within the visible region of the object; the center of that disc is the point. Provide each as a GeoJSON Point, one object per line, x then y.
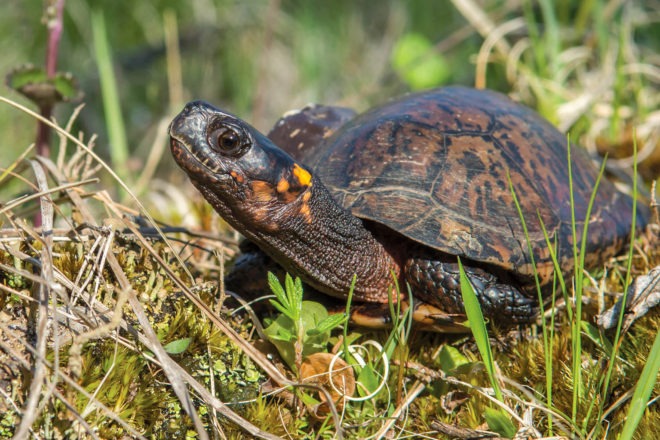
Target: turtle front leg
{"type": "Point", "coordinates": [249, 275]}
{"type": "Point", "coordinates": [438, 283]}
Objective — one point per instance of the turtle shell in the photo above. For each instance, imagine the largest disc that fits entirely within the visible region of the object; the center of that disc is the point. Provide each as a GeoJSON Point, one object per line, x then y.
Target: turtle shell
{"type": "Point", "coordinates": [436, 166]}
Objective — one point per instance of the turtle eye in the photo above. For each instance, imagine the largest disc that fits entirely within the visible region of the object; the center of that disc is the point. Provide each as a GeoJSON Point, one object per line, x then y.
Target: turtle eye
{"type": "Point", "coordinates": [227, 140]}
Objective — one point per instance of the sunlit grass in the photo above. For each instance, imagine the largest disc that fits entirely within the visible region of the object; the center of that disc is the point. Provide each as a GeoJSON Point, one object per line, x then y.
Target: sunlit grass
{"type": "Point", "coordinates": [643, 390]}
{"type": "Point", "coordinates": [111, 99]}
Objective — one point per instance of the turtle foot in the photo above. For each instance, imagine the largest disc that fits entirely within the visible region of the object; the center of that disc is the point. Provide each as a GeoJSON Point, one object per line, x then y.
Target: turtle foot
{"type": "Point", "coordinates": [438, 283]}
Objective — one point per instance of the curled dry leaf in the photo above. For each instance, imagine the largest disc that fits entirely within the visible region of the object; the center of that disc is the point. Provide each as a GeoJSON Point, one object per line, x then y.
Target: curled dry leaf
{"type": "Point", "coordinates": [643, 295]}
{"type": "Point", "coordinates": [453, 400]}
{"type": "Point", "coordinates": [315, 369]}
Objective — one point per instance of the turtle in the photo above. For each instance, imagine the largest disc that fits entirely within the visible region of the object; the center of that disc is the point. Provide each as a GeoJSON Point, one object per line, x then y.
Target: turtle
{"type": "Point", "coordinates": [398, 194]}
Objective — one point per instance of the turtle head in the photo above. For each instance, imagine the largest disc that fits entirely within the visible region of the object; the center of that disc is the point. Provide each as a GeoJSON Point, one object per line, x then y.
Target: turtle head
{"type": "Point", "coordinates": [276, 202]}
{"type": "Point", "coordinates": [237, 169]}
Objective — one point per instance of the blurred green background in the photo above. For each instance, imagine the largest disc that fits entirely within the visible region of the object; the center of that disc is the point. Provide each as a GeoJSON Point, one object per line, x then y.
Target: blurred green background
{"type": "Point", "coordinates": [260, 58]}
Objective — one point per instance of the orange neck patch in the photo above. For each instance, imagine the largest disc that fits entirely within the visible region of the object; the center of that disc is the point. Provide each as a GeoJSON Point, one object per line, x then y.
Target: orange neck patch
{"type": "Point", "coordinates": [287, 189]}
{"type": "Point", "coordinates": [263, 191]}
{"type": "Point", "coordinates": [303, 176]}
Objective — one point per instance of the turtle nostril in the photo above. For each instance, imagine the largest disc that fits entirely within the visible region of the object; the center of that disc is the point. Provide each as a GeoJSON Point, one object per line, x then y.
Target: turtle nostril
{"type": "Point", "coordinates": [188, 108]}
{"type": "Point", "coordinates": [195, 105]}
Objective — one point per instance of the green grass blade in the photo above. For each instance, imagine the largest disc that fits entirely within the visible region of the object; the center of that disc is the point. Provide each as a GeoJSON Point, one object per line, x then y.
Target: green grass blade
{"type": "Point", "coordinates": [478, 327]}
{"type": "Point", "coordinates": [547, 338]}
{"type": "Point", "coordinates": [539, 60]}
{"type": "Point", "coordinates": [529, 246]}
{"type": "Point", "coordinates": [552, 248]}
{"type": "Point", "coordinates": [348, 357]}
{"type": "Point", "coordinates": [111, 101]}
{"type": "Point", "coordinates": [500, 422]}
{"type": "Point", "coordinates": [580, 266]}
{"type": "Point", "coordinates": [401, 322]}
{"type": "Point", "coordinates": [617, 335]}
{"type": "Point", "coordinates": [576, 335]}
{"type": "Point", "coordinates": [643, 391]}
{"type": "Point", "coordinates": [552, 42]}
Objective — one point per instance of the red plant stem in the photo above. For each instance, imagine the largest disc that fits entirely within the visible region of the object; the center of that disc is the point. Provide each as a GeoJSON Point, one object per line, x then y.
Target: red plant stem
{"type": "Point", "coordinates": [54, 11]}
{"type": "Point", "coordinates": [54, 35]}
{"type": "Point", "coordinates": [43, 133]}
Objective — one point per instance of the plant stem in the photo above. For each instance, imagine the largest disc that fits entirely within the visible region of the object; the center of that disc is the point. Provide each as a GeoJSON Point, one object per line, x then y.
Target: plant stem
{"type": "Point", "coordinates": [54, 34]}
{"type": "Point", "coordinates": [54, 10]}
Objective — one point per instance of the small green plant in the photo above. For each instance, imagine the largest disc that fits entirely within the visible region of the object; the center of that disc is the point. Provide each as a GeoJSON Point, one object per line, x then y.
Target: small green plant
{"type": "Point", "coordinates": [7, 424]}
{"type": "Point", "coordinates": [303, 327]}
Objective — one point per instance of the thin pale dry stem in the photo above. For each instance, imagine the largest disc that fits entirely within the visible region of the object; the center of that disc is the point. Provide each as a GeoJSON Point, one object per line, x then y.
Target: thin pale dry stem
{"type": "Point", "coordinates": [494, 40]}
{"type": "Point", "coordinates": [9, 171]}
{"type": "Point", "coordinates": [155, 154]}
{"type": "Point", "coordinates": [42, 296]}
{"type": "Point", "coordinates": [416, 390]}
{"type": "Point", "coordinates": [481, 21]}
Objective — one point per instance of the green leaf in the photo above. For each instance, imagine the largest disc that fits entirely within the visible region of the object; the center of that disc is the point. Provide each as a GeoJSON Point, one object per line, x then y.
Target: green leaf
{"type": "Point", "coordinates": [328, 324]}
{"type": "Point", "coordinates": [178, 346]}
{"type": "Point", "coordinates": [280, 308]}
{"type": "Point", "coordinates": [478, 328]}
{"type": "Point", "coordinates": [313, 313]}
{"type": "Point", "coordinates": [33, 83]}
{"type": "Point", "coordinates": [276, 288]}
{"type": "Point", "coordinates": [286, 301]}
{"type": "Point", "coordinates": [597, 337]}
{"type": "Point", "coordinates": [24, 75]}
{"type": "Point", "coordinates": [289, 289]}
{"type": "Point", "coordinates": [298, 289]}
{"type": "Point", "coordinates": [469, 369]}
{"type": "Point", "coordinates": [643, 390]}
{"type": "Point", "coordinates": [499, 422]}
{"type": "Point", "coordinates": [66, 86]}
{"type": "Point", "coordinates": [280, 334]}
{"type": "Point", "coordinates": [451, 358]}
{"type": "Point", "coordinates": [369, 380]}
{"type": "Point", "coordinates": [281, 327]}
{"type": "Point", "coordinates": [309, 400]}
{"type": "Point", "coordinates": [416, 61]}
